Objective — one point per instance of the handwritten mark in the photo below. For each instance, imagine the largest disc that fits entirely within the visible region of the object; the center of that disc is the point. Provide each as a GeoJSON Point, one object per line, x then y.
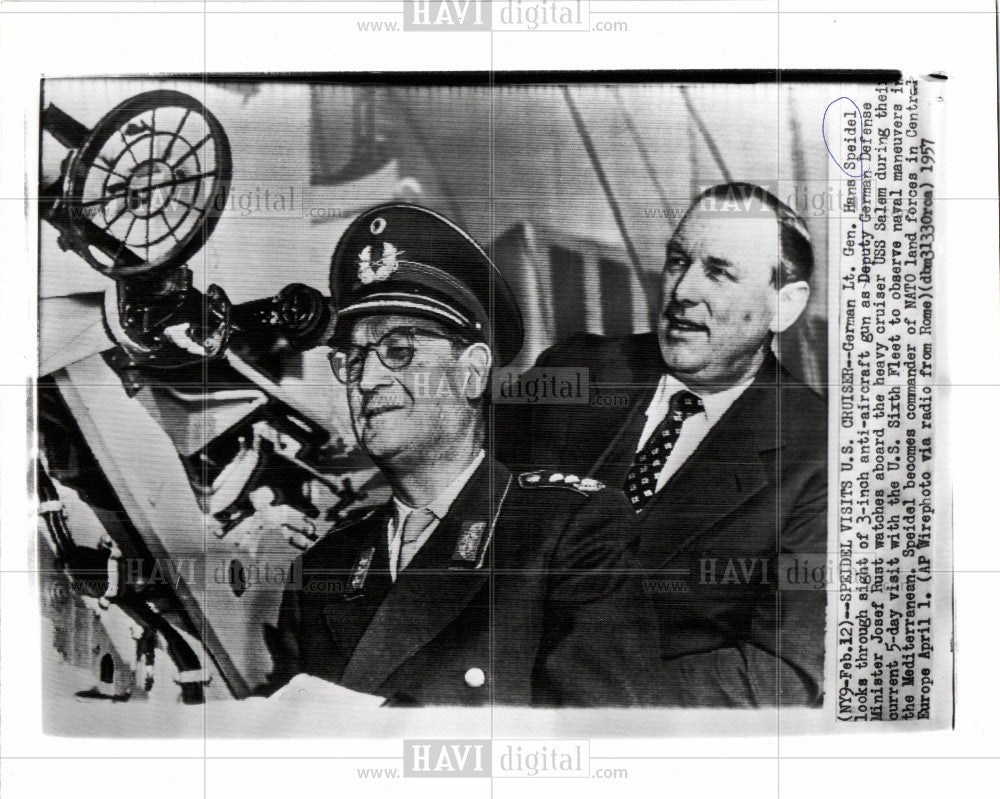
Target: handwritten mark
{"type": "Point", "coordinates": [861, 138]}
{"type": "Point", "coordinates": [861, 170]}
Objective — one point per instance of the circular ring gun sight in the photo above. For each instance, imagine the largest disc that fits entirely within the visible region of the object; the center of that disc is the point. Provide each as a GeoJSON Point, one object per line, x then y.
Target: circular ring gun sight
{"type": "Point", "coordinates": [137, 197]}
{"type": "Point", "coordinates": [143, 190]}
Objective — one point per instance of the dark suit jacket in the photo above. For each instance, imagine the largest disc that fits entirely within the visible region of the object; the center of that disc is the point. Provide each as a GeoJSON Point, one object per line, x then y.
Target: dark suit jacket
{"type": "Point", "coordinates": [717, 542]}
{"type": "Point", "coordinates": [539, 606]}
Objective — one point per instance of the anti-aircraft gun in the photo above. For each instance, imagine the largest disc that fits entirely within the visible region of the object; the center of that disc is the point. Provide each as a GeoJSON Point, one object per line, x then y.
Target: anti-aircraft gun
{"type": "Point", "coordinates": [182, 441]}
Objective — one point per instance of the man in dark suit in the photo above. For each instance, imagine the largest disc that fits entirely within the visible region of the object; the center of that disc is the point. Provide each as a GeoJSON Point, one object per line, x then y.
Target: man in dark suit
{"type": "Point", "coordinates": [720, 452]}
{"type": "Point", "coordinates": [472, 585]}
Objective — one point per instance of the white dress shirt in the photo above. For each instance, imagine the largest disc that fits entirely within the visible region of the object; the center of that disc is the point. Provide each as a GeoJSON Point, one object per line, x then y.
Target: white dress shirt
{"type": "Point", "coordinates": [695, 427]}
{"type": "Point", "coordinates": [438, 506]}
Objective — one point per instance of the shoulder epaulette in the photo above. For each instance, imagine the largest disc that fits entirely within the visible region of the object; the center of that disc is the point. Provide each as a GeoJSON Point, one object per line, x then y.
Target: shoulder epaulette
{"type": "Point", "coordinates": [570, 482]}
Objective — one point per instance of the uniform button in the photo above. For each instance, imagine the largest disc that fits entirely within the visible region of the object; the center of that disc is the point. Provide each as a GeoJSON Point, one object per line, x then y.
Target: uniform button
{"type": "Point", "coordinates": [556, 478]}
{"type": "Point", "coordinates": [475, 678]}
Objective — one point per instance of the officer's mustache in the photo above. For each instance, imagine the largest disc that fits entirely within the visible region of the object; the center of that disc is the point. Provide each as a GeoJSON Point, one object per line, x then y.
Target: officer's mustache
{"type": "Point", "coordinates": [376, 403]}
{"type": "Point", "coordinates": [675, 315]}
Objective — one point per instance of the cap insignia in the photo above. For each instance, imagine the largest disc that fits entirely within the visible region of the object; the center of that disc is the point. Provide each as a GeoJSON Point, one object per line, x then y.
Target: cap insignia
{"type": "Point", "coordinates": [371, 269]}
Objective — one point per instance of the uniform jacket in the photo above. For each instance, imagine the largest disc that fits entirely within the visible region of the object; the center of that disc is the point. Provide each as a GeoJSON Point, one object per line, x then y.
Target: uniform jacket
{"type": "Point", "coordinates": [715, 543]}
{"type": "Point", "coordinates": [517, 597]}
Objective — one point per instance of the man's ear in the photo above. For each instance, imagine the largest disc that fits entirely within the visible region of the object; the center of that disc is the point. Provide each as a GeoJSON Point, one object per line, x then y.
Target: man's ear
{"type": "Point", "coordinates": [477, 359]}
{"type": "Point", "coordinates": [792, 299]}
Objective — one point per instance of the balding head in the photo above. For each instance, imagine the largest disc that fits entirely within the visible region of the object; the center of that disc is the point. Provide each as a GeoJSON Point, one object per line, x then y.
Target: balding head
{"type": "Point", "coordinates": [736, 273]}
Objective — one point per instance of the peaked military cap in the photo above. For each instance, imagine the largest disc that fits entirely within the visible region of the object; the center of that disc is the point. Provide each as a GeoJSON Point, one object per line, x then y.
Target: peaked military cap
{"type": "Point", "coordinates": [401, 258]}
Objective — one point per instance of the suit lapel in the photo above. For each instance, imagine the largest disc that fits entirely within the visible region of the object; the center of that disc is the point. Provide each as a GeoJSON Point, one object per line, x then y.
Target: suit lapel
{"type": "Point", "coordinates": [634, 378]}
{"type": "Point", "coordinates": [612, 464]}
{"type": "Point", "coordinates": [579, 437]}
{"type": "Point", "coordinates": [428, 595]}
{"type": "Point", "coordinates": [723, 473]}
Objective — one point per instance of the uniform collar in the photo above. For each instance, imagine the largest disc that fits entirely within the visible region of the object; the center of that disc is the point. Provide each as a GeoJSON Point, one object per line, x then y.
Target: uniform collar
{"type": "Point", "coordinates": [441, 504]}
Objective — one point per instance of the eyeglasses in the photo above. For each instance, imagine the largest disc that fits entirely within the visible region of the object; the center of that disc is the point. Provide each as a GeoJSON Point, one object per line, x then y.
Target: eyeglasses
{"type": "Point", "coordinates": [395, 350]}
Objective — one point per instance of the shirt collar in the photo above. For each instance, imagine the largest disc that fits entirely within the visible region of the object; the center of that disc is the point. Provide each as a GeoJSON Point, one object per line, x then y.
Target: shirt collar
{"type": "Point", "coordinates": [440, 505]}
{"type": "Point", "coordinates": [715, 404]}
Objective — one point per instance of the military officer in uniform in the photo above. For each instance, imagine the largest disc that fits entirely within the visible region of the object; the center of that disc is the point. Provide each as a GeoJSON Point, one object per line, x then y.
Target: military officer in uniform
{"type": "Point", "coordinates": [472, 585]}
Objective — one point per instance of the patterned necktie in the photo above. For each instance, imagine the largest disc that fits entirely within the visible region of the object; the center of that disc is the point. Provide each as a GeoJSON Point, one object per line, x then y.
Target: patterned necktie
{"type": "Point", "coordinates": [640, 482]}
{"type": "Point", "coordinates": [414, 526]}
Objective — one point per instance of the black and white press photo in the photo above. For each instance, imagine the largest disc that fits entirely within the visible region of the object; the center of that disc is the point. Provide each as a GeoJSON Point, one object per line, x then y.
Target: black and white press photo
{"type": "Point", "coordinates": [463, 397]}
{"type": "Point", "coordinates": [388, 393]}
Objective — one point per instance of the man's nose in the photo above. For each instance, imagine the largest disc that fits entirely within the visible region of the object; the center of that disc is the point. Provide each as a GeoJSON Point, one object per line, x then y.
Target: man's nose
{"type": "Point", "coordinates": [688, 289]}
{"type": "Point", "coordinates": [373, 372]}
